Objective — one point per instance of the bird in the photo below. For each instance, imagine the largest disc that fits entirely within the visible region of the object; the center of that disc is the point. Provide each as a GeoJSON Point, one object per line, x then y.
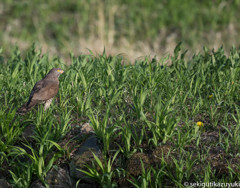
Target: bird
{"type": "Point", "coordinates": [43, 91]}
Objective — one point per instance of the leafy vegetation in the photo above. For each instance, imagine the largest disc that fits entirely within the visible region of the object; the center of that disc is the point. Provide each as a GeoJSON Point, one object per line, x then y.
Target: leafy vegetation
{"type": "Point", "coordinates": [160, 123]}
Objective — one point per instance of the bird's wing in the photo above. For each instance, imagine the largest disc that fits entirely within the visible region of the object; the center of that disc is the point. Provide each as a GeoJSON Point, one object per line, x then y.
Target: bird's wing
{"type": "Point", "coordinates": [38, 86]}
{"type": "Point", "coordinates": [44, 90]}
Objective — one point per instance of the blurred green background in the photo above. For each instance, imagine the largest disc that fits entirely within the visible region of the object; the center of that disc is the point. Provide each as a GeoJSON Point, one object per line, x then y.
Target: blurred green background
{"type": "Point", "coordinates": [132, 27]}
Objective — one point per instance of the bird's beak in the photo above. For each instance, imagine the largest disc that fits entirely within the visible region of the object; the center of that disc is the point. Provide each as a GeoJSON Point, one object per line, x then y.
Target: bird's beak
{"type": "Point", "coordinates": [61, 71]}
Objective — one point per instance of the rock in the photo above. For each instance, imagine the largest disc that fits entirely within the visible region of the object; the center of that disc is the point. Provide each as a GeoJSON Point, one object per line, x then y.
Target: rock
{"type": "Point", "coordinates": [58, 178]}
{"type": "Point", "coordinates": [85, 185]}
{"type": "Point", "coordinates": [4, 184]}
{"type": "Point", "coordinates": [28, 132]}
{"type": "Point", "coordinates": [37, 184]}
{"type": "Point", "coordinates": [90, 143]}
{"type": "Point", "coordinates": [86, 128]}
{"type": "Point", "coordinates": [82, 156]}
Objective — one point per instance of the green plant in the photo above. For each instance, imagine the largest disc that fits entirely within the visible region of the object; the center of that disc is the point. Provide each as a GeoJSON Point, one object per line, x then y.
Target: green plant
{"type": "Point", "coordinates": [104, 177]}
{"type": "Point", "coordinates": [180, 111]}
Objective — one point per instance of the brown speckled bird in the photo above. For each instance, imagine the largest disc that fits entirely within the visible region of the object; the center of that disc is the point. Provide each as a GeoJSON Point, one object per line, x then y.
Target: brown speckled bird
{"type": "Point", "coordinates": [43, 91]}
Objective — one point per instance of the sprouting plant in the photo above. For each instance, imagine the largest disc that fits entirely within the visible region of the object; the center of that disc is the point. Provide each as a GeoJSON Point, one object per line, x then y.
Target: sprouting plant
{"type": "Point", "coordinates": [105, 174]}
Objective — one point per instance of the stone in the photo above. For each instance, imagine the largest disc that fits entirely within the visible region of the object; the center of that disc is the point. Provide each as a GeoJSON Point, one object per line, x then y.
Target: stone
{"type": "Point", "coordinates": [86, 128]}
{"type": "Point", "coordinates": [82, 156]}
{"type": "Point", "coordinates": [58, 177]}
{"type": "Point", "coordinates": [28, 132]}
{"type": "Point", "coordinates": [4, 184]}
{"type": "Point", "coordinates": [37, 184]}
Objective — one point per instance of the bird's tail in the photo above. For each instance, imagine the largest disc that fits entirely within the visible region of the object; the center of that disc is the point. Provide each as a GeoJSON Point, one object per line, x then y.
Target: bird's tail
{"type": "Point", "coordinates": [23, 109]}
{"type": "Point", "coordinates": [26, 107]}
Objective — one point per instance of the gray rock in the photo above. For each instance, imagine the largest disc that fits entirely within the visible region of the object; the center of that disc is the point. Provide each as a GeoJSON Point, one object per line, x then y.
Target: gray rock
{"type": "Point", "coordinates": [37, 184]}
{"type": "Point", "coordinates": [85, 185]}
{"type": "Point", "coordinates": [58, 178]}
{"type": "Point", "coordinates": [4, 184]}
{"type": "Point", "coordinates": [82, 156]}
{"type": "Point", "coordinates": [28, 132]}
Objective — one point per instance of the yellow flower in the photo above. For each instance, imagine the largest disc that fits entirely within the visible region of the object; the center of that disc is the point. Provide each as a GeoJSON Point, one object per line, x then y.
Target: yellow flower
{"type": "Point", "coordinates": [232, 82]}
{"type": "Point", "coordinates": [210, 96]}
{"type": "Point", "coordinates": [199, 124]}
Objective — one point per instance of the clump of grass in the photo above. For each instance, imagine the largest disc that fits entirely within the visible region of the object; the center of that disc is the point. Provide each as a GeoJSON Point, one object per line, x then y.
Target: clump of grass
{"type": "Point", "coordinates": [150, 108]}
